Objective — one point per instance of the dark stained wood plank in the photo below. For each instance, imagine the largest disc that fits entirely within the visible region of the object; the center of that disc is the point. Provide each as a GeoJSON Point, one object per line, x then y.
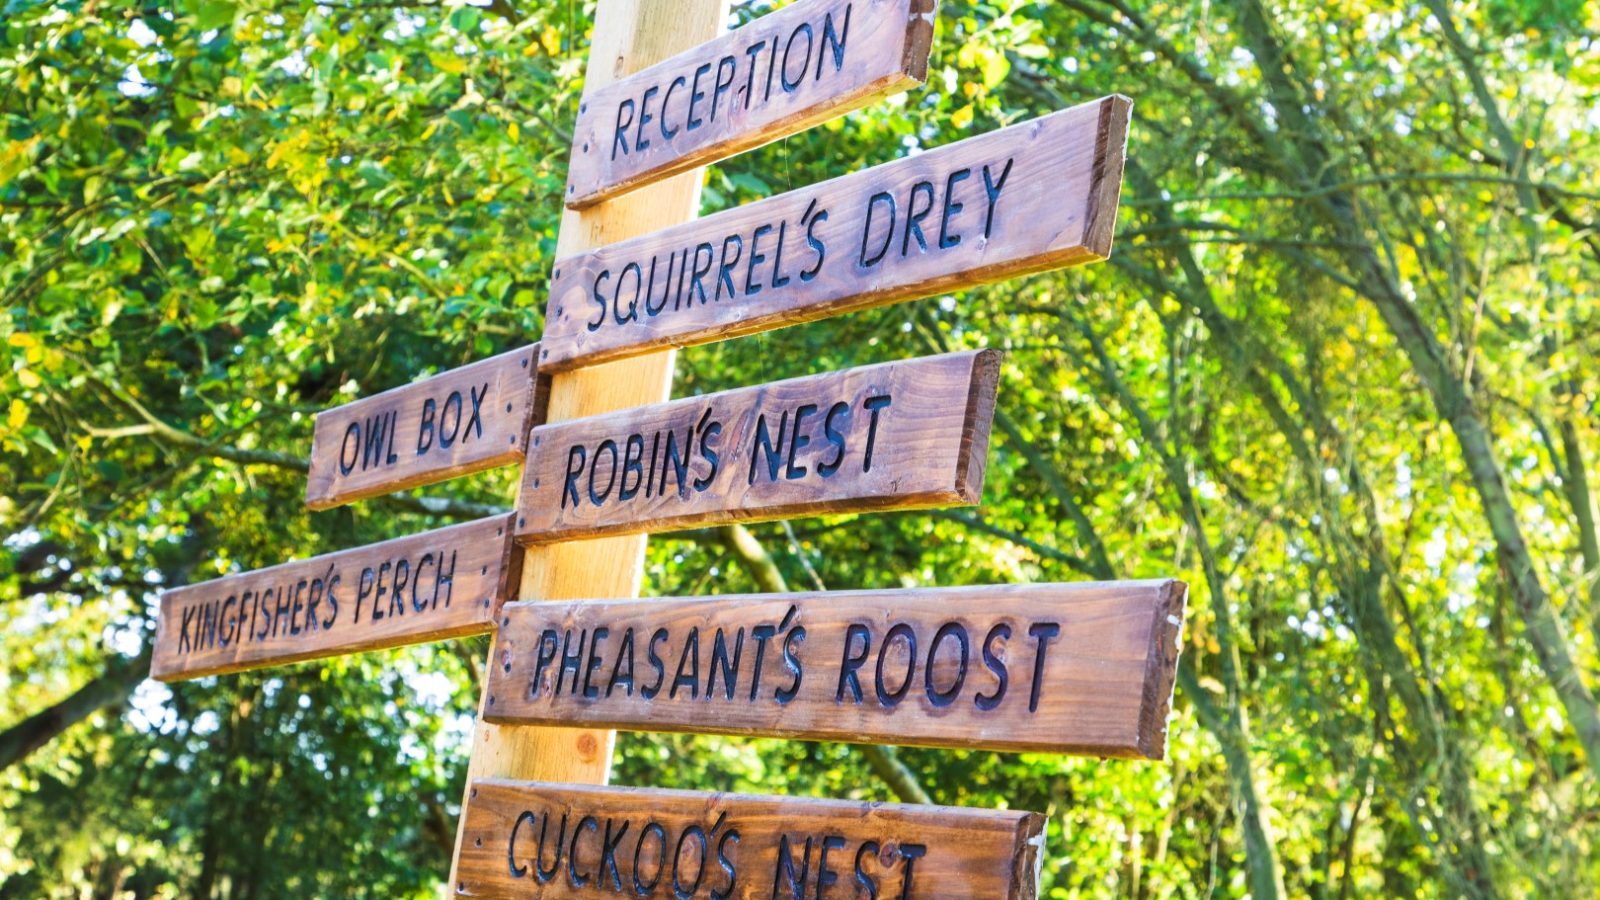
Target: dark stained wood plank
{"type": "Point", "coordinates": [1081, 668]}
{"type": "Point", "coordinates": [899, 435]}
{"type": "Point", "coordinates": [440, 584]}
{"type": "Point", "coordinates": [465, 420]}
{"type": "Point", "coordinates": [775, 76]}
{"type": "Point", "coordinates": [533, 839]}
{"type": "Point", "coordinates": [1035, 196]}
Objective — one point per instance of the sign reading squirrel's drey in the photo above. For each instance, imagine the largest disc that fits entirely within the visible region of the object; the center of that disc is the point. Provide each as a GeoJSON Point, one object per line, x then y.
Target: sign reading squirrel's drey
{"type": "Point", "coordinates": [1032, 197]}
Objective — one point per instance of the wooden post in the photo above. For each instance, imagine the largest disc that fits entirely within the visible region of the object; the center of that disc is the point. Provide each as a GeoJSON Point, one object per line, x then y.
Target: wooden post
{"type": "Point", "coordinates": [628, 36]}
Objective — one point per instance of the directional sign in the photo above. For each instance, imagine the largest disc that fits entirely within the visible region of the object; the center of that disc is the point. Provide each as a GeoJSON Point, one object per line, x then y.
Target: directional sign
{"type": "Point", "coordinates": [462, 421]}
{"type": "Point", "coordinates": [532, 839]}
{"type": "Point", "coordinates": [1032, 197]}
{"type": "Point", "coordinates": [443, 583]}
{"type": "Point", "coordinates": [1061, 668]}
{"type": "Point", "coordinates": [900, 435]}
{"type": "Point", "coordinates": [776, 76]}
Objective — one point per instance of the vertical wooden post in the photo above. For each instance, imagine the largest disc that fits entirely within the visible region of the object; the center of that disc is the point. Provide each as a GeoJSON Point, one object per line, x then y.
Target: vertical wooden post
{"type": "Point", "coordinates": [628, 36]}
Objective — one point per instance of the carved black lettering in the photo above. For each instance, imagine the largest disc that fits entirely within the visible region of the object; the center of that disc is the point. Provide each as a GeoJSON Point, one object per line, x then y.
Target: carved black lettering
{"type": "Point", "coordinates": [511, 845]}
{"type": "Point", "coordinates": [539, 871]}
{"type": "Point", "coordinates": [867, 850]}
{"type": "Point", "coordinates": [752, 287]}
{"type": "Point", "coordinates": [649, 691]}
{"type": "Point", "coordinates": [549, 642]}
{"type": "Point", "coordinates": [1042, 633]}
{"type": "Point", "coordinates": [763, 443]}
{"type": "Point", "coordinates": [448, 434]}
{"type": "Point", "coordinates": [690, 655]}
{"type": "Point", "coordinates": [607, 446]}
{"type": "Point", "coordinates": [996, 665]}
{"type": "Point", "coordinates": [911, 853]}
{"type": "Point", "coordinates": [914, 216]}
{"type": "Point", "coordinates": [640, 142]}
{"type": "Point", "coordinates": [947, 696]}
{"type": "Point", "coordinates": [727, 65]}
{"type": "Point", "coordinates": [599, 300]}
{"type": "Point", "coordinates": [853, 661]}
{"type": "Point", "coordinates": [608, 852]}
{"type": "Point", "coordinates": [576, 456]}
{"type": "Point", "coordinates": [474, 427]}
{"type": "Point", "coordinates": [729, 666]}
{"type": "Point", "coordinates": [992, 188]}
{"type": "Point", "coordinates": [632, 463]}
{"type": "Point", "coordinates": [624, 657]}
{"type": "Point", "coordinates": [639, 886]}
{"type": "Point", "coordinates": [726, 266]}
{"type": "Point", "coordinates": [619, 140]}
{"type": "Point", "coordinates": [786, 878]}
{"type": "Point", "coordinates": [951, 208]}
{"type": "Point", "coordinates": [600, 634]}
{"type": "Point", "coordinates": [791, 661]}
{"type": "Point", "coordinates": [574, 877]}
{"type": "Point", "coordinates": [873, 405]}
{"type": "Point", "coordinates": [571, 659]}
{"type": "Point", "coordinates": [866, 231]}
{"type": "Point", "coordinates": [826, 877]}
{"type": "Point", "coordinates": [695, 96]}
{"type": "Point", "coordinates": [350, 452]}
{"type": "Point", "coordinates": [906, 633]}
{"type": "Point", "coordinates": [834, 40]}
{"type": "Point", "coordinates": [805, 57]}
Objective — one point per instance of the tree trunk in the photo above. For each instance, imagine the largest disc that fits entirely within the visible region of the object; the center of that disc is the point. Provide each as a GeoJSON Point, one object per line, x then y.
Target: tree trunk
{"type": "Point", "coordinates": [110, 688]}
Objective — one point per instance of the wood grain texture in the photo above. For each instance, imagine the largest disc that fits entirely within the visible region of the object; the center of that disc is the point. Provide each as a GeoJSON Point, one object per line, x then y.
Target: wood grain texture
{"type": "Point", "coordinates": [465, 420]}
{"type": "Point", "coordinates": [440, 584]}
{"type": "Point", "coordinates": [899, 435]}
{"type": "Point", "coordinates": [734, 93]}
{"type": "Point", "coordinates": [1086, 668]}
{"type": "Point", "coordinates": [628, 35]}
{"type": "Point", "coordinates": [766, 847]}
{"type": "Point", "coordinates": [1032, 197]}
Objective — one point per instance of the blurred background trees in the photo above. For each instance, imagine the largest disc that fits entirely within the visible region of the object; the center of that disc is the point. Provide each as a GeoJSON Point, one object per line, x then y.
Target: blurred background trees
{"type": "Point", "coordinates": [1338, 375]}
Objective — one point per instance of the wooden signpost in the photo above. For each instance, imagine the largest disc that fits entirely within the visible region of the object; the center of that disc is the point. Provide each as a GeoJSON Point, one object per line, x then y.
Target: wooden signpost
{"type": "Point", "coordinates": [897, 435]}
{"type": "Point", "coordinates": [1024, 199]}
{"type": "Point", "coordinates": [1086, 668]}
{"type": "Point", "coordinates": [778, 75]}
{"type": "Point", "coordinates": [427, 587]}
{"type": "Point", "coordinates": [462, 421]}
{"type": "Point", "coordinates": [531, 839]}
{"type": "Point", "coordinates": [1061, 668]}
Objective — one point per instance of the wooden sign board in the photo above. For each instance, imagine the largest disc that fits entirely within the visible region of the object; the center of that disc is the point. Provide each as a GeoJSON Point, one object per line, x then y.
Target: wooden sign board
{"type": "Point", "coordinates": [776, 76]}
{"type": "Point", "coordinates": [900, 435]}
{"type": "Point", "coordinates": [1024, 199]}
{"type": "Point", "coordinates": [531, 839]}
{"type": "Point", "coordinates": [1057, 668]}
{"type": "Point", "coordinates": [462, 421]}
{"type": "Point", "coordinates": [440, 584]}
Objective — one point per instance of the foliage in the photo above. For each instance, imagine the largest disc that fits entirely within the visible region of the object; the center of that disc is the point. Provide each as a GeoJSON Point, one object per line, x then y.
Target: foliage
{"type": "Point", "coordinates": [1351, 293]}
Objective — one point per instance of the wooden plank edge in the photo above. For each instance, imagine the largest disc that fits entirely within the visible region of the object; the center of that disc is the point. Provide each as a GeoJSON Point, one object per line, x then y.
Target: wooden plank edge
{"type": "Point", "coordinates": [1111, 153]}
{"type": "Point", "coordinates": [172, 676]}
{"type": "Point", "coordinates": [1161, 668]}
{"type": "Point", "coordinates": [972, 459]}
{"type": "Point", "coordinates": [908, 502]}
